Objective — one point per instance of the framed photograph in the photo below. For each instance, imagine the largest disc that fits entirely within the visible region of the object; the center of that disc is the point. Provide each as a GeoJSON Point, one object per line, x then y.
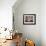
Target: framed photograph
{"type": "Point", "coordinates": [29, 19]}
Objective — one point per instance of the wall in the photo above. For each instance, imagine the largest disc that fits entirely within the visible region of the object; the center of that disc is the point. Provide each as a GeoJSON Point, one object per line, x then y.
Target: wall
{"type": "Point", "coordinates": [29, 31]}
{"type": "Point", "coordinates": [6, 13]}
{"type": "Point", "coordinates": [43, 22]}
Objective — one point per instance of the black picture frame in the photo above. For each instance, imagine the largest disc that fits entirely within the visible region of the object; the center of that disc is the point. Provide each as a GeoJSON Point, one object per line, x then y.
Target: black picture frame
{"type": "Point", "coordinates": [29, 19]}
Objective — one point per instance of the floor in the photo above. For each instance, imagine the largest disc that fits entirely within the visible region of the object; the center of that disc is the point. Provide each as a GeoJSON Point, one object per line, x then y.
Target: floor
{"type": "Point", "coordinates": [9, 43]}
{"type": "Point", "coordinates": [16, 41]}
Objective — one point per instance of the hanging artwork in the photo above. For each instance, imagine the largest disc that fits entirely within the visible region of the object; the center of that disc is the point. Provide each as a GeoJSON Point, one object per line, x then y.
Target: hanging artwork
{"type": "Point", "coordinates": [29, 19]}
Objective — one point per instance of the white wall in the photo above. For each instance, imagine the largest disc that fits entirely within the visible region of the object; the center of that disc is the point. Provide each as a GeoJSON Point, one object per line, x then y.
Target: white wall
{"type": "Point", "coordinates": [29, 31]}
{"type": "Point", "coordinates": [6, 13]}
{"type": "Point", "coordinates": [43, 22]}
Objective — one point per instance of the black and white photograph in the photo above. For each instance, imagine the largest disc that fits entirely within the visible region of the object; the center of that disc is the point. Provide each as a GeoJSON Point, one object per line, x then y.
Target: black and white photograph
{"type": "Point", "coordinates": [29, 19]}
